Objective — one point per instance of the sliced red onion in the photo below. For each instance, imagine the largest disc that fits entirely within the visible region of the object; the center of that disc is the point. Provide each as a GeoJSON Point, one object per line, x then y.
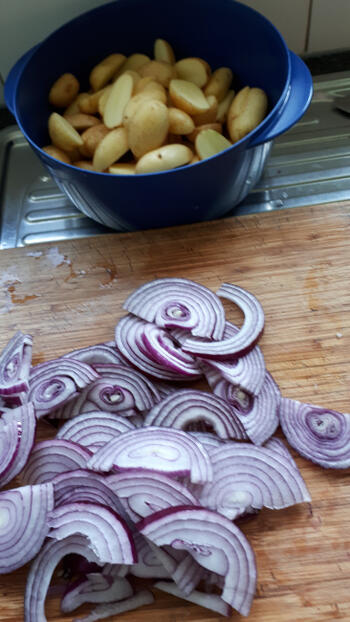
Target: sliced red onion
{"type": "Point", "coordinates": [107, 533]}
{"type": "Point", "coordinates": [174, 302]}
{"type": "Point", "coordinates": [259, 416]}
{"type": "Point", "coordinates": [54, 383]}
{"type": "Point", "coordinates": [209, 441]}
{"type": "Point", "coordinates": [214, 542]}
{"type": "Point", "coordinates": [275, 444]}
{"type": "Point", "coordinates": [15, 361]}
{"type": "Point", "coordinates": [82, 485]}
{"type": "Point", "coordinates": [42, 569]}
{"type": "Point", "coordinates": [209, 601]}
{"type": "Point", "coordinates": [245, 477]}
{"type": "Point", "coordinates": [50, 458]}
{"type": "Point", "coordinates": [23, 524]}
{"type": "Point", "coordinates": [94, 429]}
{"type": "Point", "coordinates": [151, 349]}
{"type": "Point", "coordinates": [188, 574]}
{"type": "Point", "coordinates": [144, 392]}
{"type": "Point", "coordinates": [157, 449]}
{"type": "Point", "coordinates": [10, 436]}
{"type": "Point", "coordinates": [95, 588]}
{"type": "Point", "coordinates": [241, 342]}
{"type": "Point", "coordinates": [147, 492]}
{"type": "Point", "coordinates": [104, 353]}
{"type": "Point", "coordinates": [148, 565]}
{"type": "Point", "coordinates": [24, 418]}
{"type": "Point", "coordinates": [141, 598]}
{"type": "Point", "coordinates": [180, 409]}
{"type": "Point", "coordinates": [319, 434]}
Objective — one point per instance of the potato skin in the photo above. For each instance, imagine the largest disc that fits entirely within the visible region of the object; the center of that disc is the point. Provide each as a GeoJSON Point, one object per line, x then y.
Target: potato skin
{"type": "Point", "coordinates": [148, 127]}
{"type": "Point", "coordinates": [64, 91]}
{"type": "Point", "coordinates": [247, 110]}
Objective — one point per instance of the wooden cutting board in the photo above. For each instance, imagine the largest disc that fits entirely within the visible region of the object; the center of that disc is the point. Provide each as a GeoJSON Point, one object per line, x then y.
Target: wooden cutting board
{"type": "Point", "coordinates": [297, 262]}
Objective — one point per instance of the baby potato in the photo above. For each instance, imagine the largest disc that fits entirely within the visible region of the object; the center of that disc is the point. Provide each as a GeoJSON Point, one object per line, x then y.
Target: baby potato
{"type": "Point", "coordinates": [85, 164]}
{"type": "Point", "coordinates": [193, 70]}
{"type": "Point", "coordinates": [219, 83]}
{"type": "Point", "coordinates": [159, 70]}
{"type": "Point", "coordinates": [104, 71]}
{"type": "Point", "coordinates": [81, 121]}
{"type": "Point", "coordinates": [110, 149]}
{"type": "Point", "coordinates": [180, 122]}
{"type": "Point", "coordinates": [163, 159]}
{"type": "Point", "coordinates": [217, 127]}
{"type": "Point", "coordinates": [148, 127]}
{"type": "Point", "coordinates": [247, 110]}
{"type": "Point", "coordinates": [132, 106]}
{"type": "Point", "coordinates": [133, 62]}
{"type": "Point", "coordinates": [88, 103]}
{"type": "Point", "coordinates": [151, 87]}
{"type": "Point", "coordinates": [208, 116]}
{"type": "Point", "coordinates": [64, 91]}
{"type": "Point", "coordinates": [74, 107]}
{"type": "Point", "coordinates": [57, 153]}
{"type": "Point", "coordinates": [224, 106]}
{"type": "Point", "coordinates": [188, 97]}
{"type": "Point", "coordinates": [62, 134]}
{"type": "Point", "coordinates": [102, 100]}
{"type": "Point", "coordinates": [117, 100]}
{"type": "Point", "coordinates": [209, 143]}
{"type": "Point", "coordinates": [121, 168]}
{"type": "Point", "coordinates": [91, 138]}
{"type": "Point", "coordinates": [163, 51]}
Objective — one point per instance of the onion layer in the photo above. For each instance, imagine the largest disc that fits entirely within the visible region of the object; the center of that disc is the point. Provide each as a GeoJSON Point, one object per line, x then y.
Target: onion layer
{"type": "Point", "coordinates": [24, 418]}
{"type": "Point", "coordinates": [15, 361]}
{"type": "Point", "coordinates": [49, 458]}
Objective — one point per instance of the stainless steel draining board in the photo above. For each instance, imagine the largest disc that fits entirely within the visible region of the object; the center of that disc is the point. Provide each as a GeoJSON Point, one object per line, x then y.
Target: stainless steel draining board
{"type": "Point", "coordinates": [309, 164]}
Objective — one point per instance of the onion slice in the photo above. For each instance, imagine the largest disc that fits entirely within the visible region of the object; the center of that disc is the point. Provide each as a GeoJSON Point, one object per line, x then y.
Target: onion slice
{"type": "Point", "coordinates": [247, 336]}
{"type": "Point", "coordinates": [23, 524]}
{"type": "Point", "coordinates": [158, 449]}
{"type": "Point", "coordinates": [180, 409]}
{"type": "Point", "coordinates": [172, 302]}
{"type": "Point", "coordinates": [54, 383]}
{"type": "Point", "coordinates": [49, 458]}
{"type": "Point", "coordinates": [24, 419]}
{"type": "Point", "coordinates": [151, 350]}
{"type": "Point", "coordinates": [15, 361]}
{"type": "Point", "coordinates": [141, 598]}
{"type": "Point", "coordinates": [104, 353]}
{"type": "Point", "coordinates": [214, 542]}
{"type": "Point", "coordinates": [245, 477]}
{"type": "Point", "coordinates": [95, 588]}
{"type": "Point", "coordinates": [10, 435]}
{"type": "Point", "coordinates": [107, 533]}
{"type": "Point", "coordinates": [42, 569]}
{"type": "Point", "coordinates": [94, 429]}
{"type": "Point", "coordinates": [148, 565]}
{"type": "Point", "coordinates": [319, 434]}
{"type": "Point", "coordinates": [209, 601]}
{"type": "Point", "coordinates": [258, 415]}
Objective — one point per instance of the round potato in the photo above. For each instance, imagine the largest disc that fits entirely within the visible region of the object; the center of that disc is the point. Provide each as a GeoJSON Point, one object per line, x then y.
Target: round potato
{"type": "Point", "coordinates": [188, 97]}
{"type": "Point", "coordinates": [148, 127]}
{"type": "Point", "coordinates": [165, 158]}
{"type": "Point", "coordinates": [64, 91]}
{"type": "Point", "coordinates": [159, 70]}
{"type": "Point", "coordinates": [180, 122]}
{"type": "Point", "coordinates": [151, 87]}
{"type": "Point", "coordinates": [91, 138]}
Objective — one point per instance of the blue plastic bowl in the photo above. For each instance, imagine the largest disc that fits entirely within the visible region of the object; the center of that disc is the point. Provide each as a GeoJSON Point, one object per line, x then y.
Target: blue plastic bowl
{"type": "Point", "coordinates": [225, 33]}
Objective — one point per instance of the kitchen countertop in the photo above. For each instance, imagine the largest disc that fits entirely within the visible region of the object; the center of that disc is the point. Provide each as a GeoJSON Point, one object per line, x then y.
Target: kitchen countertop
{"type": "Point", "coordinates": [297, 263]}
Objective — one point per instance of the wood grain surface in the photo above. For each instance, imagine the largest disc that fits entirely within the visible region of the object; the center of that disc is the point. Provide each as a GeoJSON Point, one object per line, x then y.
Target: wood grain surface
{"type": "Point", "coordinates": [297, 262]}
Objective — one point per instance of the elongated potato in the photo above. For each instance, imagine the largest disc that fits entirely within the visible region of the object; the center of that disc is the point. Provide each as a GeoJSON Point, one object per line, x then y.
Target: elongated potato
{"type": "Point", "coordinates": [74, 107]}
{"type": "Point", "coordinates": [224, 106]}
{"type": "Point", "coordinates": [151, 87]}
{"type": "Point", "coordinates": [180, 122]}
{"type": "Point", "coordinates": [104, 71]}
{"type": "Point", "coordinates": [194, 70]}
{"type": "Point", "coordinates": [209, 143]}
{"type": "Point", "coordinates": [188, 97]}
{"type": "Point", "coordinates": [217, 127]}
{"type": "Point", "coordinates": [159, 70]}
{"type": "Point", "coordinates": [117, 100]}
{"type": "Point", "coordinates": [121, 168]}
{"type": "Point", "coordinates": [164, 158]}
{"type": "Point", "coordinates": [81, 121]}
{"type": "Point", "coordinates": [208, 116]}
{"type": "Point", "coordinates": [133, 62]}
{"type": "Point", "coordinates": [88, 103]}
{"type": "Point", "coordinates": [163, 51]}
{"type": "Point", "coordinates": [62, 134]}
{"type": "Point", "coordinates": [148, 127]}
{"type": "Point", "coordinates": [64, 91]}
{"type": "Point", "coordinates": [135, 78]}
{"type": "Point", "coordinates": [57, 153]}
{"type": "Point", "coordinates": [111, 148]}
{"type": "Point", "coordinates": [102, 100]}
{"type": "Point", "coordinates": [246, 113]}
{"type": "Point", "coordinates": [219, 83]}
{"type": "Point", "coordinates": [91, 138]}
{"type": "Point", "coordinates": [85, 164]}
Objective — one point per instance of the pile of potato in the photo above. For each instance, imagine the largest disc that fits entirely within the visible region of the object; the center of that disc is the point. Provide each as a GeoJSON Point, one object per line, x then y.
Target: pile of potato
{"type": "Point", "coordinates": [146, 115]}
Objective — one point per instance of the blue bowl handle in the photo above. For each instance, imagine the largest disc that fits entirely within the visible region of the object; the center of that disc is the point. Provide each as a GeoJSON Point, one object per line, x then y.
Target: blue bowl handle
{"type": "Point", "coordinates": [13, 76]}
{"type": "Point", "coordinates": [297, 102]}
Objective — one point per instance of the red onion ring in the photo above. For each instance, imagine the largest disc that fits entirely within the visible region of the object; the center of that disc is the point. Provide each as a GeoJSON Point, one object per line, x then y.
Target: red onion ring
{"type": "Point", "coordinates": [95, 588]}
{"type": "Point", "coordinates": [50, 458]}
{"type": "Point", "coordinates": [94, 429]}
{"type": "Point", "coordinates": [23, 418]}
{"type": "Point", "coordinates": [15, 361]}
